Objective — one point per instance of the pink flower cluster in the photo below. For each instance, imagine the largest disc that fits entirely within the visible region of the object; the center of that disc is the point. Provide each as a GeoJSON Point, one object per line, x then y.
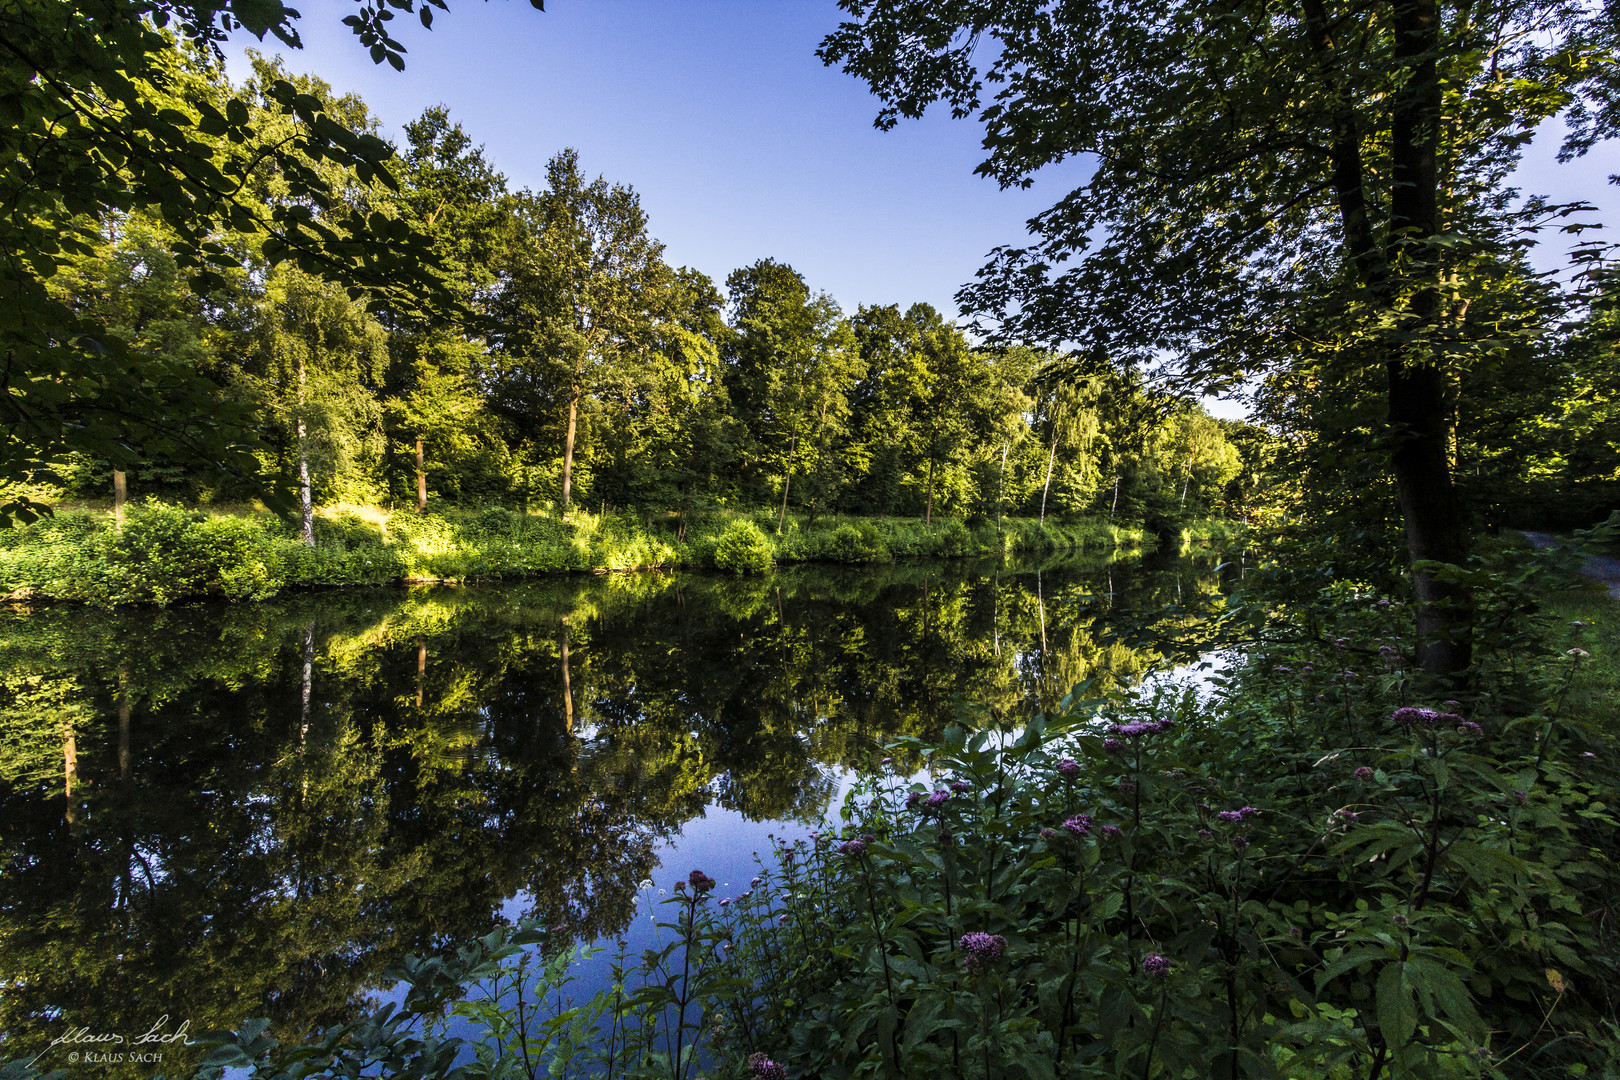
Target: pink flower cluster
{"type": "Point", "coordinates": [982, 948]}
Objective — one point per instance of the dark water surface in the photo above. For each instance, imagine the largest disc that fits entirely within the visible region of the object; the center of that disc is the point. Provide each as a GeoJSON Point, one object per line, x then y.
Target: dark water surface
{"type": "Point", "coordinates": [217, 812]}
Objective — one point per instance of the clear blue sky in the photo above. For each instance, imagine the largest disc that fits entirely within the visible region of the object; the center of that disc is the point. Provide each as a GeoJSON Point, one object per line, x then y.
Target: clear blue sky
{"type": "Point", "coordinates": [740, 142]}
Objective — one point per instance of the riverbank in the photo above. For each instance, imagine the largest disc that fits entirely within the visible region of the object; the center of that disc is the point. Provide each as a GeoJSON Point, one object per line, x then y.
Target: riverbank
{"type": "Point", "coordinates": [166, 553]}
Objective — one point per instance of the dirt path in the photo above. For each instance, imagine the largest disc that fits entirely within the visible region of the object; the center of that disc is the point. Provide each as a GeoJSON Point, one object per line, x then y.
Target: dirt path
{"type": "Point", "coordinates": [1600, 568]}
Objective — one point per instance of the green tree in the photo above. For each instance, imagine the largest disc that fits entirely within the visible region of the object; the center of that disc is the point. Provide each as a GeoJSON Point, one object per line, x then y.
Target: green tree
{"type": "Point", "coordinates": [794, 359]}
{"type": "Point", "coordinates": [1244, 158]}
{"type": "Point", "coordinates": [450, 192]}
{"type": "Point", "coordinates": [320, 358]}
{"type": "Point", "coordinates": [582, 286]}
{"type": "Point", "coordinates": [104, 114]}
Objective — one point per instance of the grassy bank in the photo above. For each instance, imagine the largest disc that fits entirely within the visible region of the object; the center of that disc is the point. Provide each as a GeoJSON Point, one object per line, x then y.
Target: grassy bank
{"type": "Point", "coordinates": [167, 553]}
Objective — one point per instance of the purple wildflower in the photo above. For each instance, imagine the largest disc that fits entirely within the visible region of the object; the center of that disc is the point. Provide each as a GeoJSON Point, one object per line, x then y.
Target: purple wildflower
{"type": "Point", "coordinates": [1414, 716]}
{"type": "Point", "coordinates": [913, 799]}
{"type": "Point", "coordinates": [726, 901]}
{"type": "Point", "coordinates": [1282, 670]}
{"type": "Point", "coordinates": [982, 948]}
{"type": "Point", "coordinates": [936, 799]}
{"type": "Point", "coordinates": [852, 847]}
{"type": "Point", "coordinates": [700, 882]}
{"type": "Point", "coordinates": [1468, 727]}
{"type": "Point", "coordinates": [1127, 787]}
{"type": "Point", "coordinates": [1240, 842]}
{"type": "Point", "coordinates": [1048, 834]}
{"type": "Point", "coordinates": [1112, 746]}
{"type": "Point", "coordinates": [1205, 835]}
{"type": "Point", "coordinates": [1231, 817]}
{"type": "Point", "coordinates": [1364, 772]}
{"type": "Point", "coordinates": [1579, 654]}
{"type": "Point", "coordinates": [1138, 729]}
{"type": "Point", "coordinates": [755, 883]}
{"type": "Point", "coordinates": [1348, 815]}
{"type": "Point", "coordinates": [1079, 825]}
{"type": "Point", "coordinates": [1068, 768]}
{"type": "Point", "coordinates": [961, 786]}
{"type": "Point", "coordinates": [764, 1068]}
{"type": "Point", "coordinates": [1156, 965]}
{"type": "Point", "coordinates": [1521, 796]}
{"type": "Point", "coordinates": [887, 761]}
{"type": "Point", "coordinates": [1112, 830]}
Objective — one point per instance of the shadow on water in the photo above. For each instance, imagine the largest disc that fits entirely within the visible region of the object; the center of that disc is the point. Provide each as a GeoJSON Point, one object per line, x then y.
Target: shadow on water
{"type": "Point", "coordinates": [215, 812]}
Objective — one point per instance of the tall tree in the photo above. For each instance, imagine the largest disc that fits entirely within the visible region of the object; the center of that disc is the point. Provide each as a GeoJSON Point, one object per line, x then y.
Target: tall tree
{"type": "Point", "coordinates": [105, 115]}
{"type": "Point", "coordinates": [794, 361]}
{"type": "Point", "coordinates": [582, 286]}
{"type": "Point", "coordinates": [321, 356]}
{"type": "Point", "coordinates": [1244, 156]}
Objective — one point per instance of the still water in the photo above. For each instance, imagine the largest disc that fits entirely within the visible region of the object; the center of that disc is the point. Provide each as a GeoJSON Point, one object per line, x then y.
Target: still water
{"type": "Point", "coordinates": [217, 812]}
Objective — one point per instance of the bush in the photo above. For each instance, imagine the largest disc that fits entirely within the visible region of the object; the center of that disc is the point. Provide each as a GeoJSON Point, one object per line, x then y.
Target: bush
{"type": "Point", "coordinates": [743, 550]}
{"type": "Point", "coordinates": [855, 542]}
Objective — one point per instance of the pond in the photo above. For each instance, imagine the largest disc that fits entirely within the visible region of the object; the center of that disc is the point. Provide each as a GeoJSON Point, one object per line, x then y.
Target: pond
{"type": "Point", "coordinates": [215, 812]}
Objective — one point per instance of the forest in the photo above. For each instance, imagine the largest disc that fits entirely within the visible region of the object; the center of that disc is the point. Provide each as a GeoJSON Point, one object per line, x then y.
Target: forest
{"type": "Point", "coordinates": [568, 364]}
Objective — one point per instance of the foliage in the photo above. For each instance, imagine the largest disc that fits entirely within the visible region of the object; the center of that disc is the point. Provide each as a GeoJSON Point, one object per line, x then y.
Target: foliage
{"type": "Point", "coordinates": [743, 549]}
{"type": "Point", "coordinates": [116, 109]}
{"type": "Point", "coordinates": [1320, 196]}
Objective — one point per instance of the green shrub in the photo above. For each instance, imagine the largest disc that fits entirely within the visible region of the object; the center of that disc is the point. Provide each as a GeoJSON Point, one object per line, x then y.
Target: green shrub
{"type": "Point", "coordinates": [855, 542]}
{"type": "Point", "coordinates": [743, 550]}
{"type": "Point", "coordinates": [952, 540]}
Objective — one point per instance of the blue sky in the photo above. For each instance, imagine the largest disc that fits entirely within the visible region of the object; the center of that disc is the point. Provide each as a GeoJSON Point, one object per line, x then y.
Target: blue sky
{"type": "Point", "coordinates": [740, 142]}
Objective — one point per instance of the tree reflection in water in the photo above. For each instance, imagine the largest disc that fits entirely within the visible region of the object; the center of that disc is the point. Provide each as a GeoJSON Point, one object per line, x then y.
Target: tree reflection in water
{"type": "Point", "coordinates": [218, 812]}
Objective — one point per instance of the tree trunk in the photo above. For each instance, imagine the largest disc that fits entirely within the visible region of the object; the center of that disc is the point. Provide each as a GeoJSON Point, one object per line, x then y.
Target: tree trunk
{"type": "Point", "coordinates": [1419, 417]}
{"type": "Point", "coordinates": [1051, 456]}
{"type": "Point", "coordinates": [928, 506]}
{"type": "Point", "coordinates": [568, 448]}
{"type": "Point", "coordinates": [306, 505]}
{"type": "Point", "coordinates": [1115, 504]}
{"type": "Point", "coordinates": [1419, 409]}
{"type": "Point", "coordinates": [421, 479]}
{"type": "Point", "coordinates": [793, 449]}
{"type": "Point", "coordinates": [1186, 481]}
{"type": "Point", "coordinates": [305, 502]}
{"type": "Point", "coordinates": [120, 493]}
{"type": "Point", "coordinates": [1001, 481]}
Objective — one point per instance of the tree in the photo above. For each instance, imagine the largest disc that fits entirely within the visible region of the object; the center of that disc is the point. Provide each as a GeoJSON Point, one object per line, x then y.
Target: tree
{"type": "Point", "coordinates": [104, 115]}
{"type": "Point", "coordinates": [953, 378]}
{"type": "Point", "coordinates": [452, 194]}
{"type": "Point", "coordinates": [320, 355]}
{"type": "Point", "coordinates": [1263, 176]}
{"type": "Point", "coordinates": [793, 363]}
{"type": "Point", "coordinates": [581, 289]}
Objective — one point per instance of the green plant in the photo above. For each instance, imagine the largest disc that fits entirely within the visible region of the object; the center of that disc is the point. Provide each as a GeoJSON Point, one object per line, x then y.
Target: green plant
{"type": "Point", "coordinates": [744, 549]}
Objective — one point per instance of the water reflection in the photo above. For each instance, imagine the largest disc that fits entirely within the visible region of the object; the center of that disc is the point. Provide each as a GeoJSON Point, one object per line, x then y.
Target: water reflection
{"type": "Point", "coordinates": [218, 812]}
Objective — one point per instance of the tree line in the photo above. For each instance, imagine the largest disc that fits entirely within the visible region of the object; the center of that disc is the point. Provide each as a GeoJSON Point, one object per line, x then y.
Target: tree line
{"type": "Point", "coordinates": [564, 361]}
